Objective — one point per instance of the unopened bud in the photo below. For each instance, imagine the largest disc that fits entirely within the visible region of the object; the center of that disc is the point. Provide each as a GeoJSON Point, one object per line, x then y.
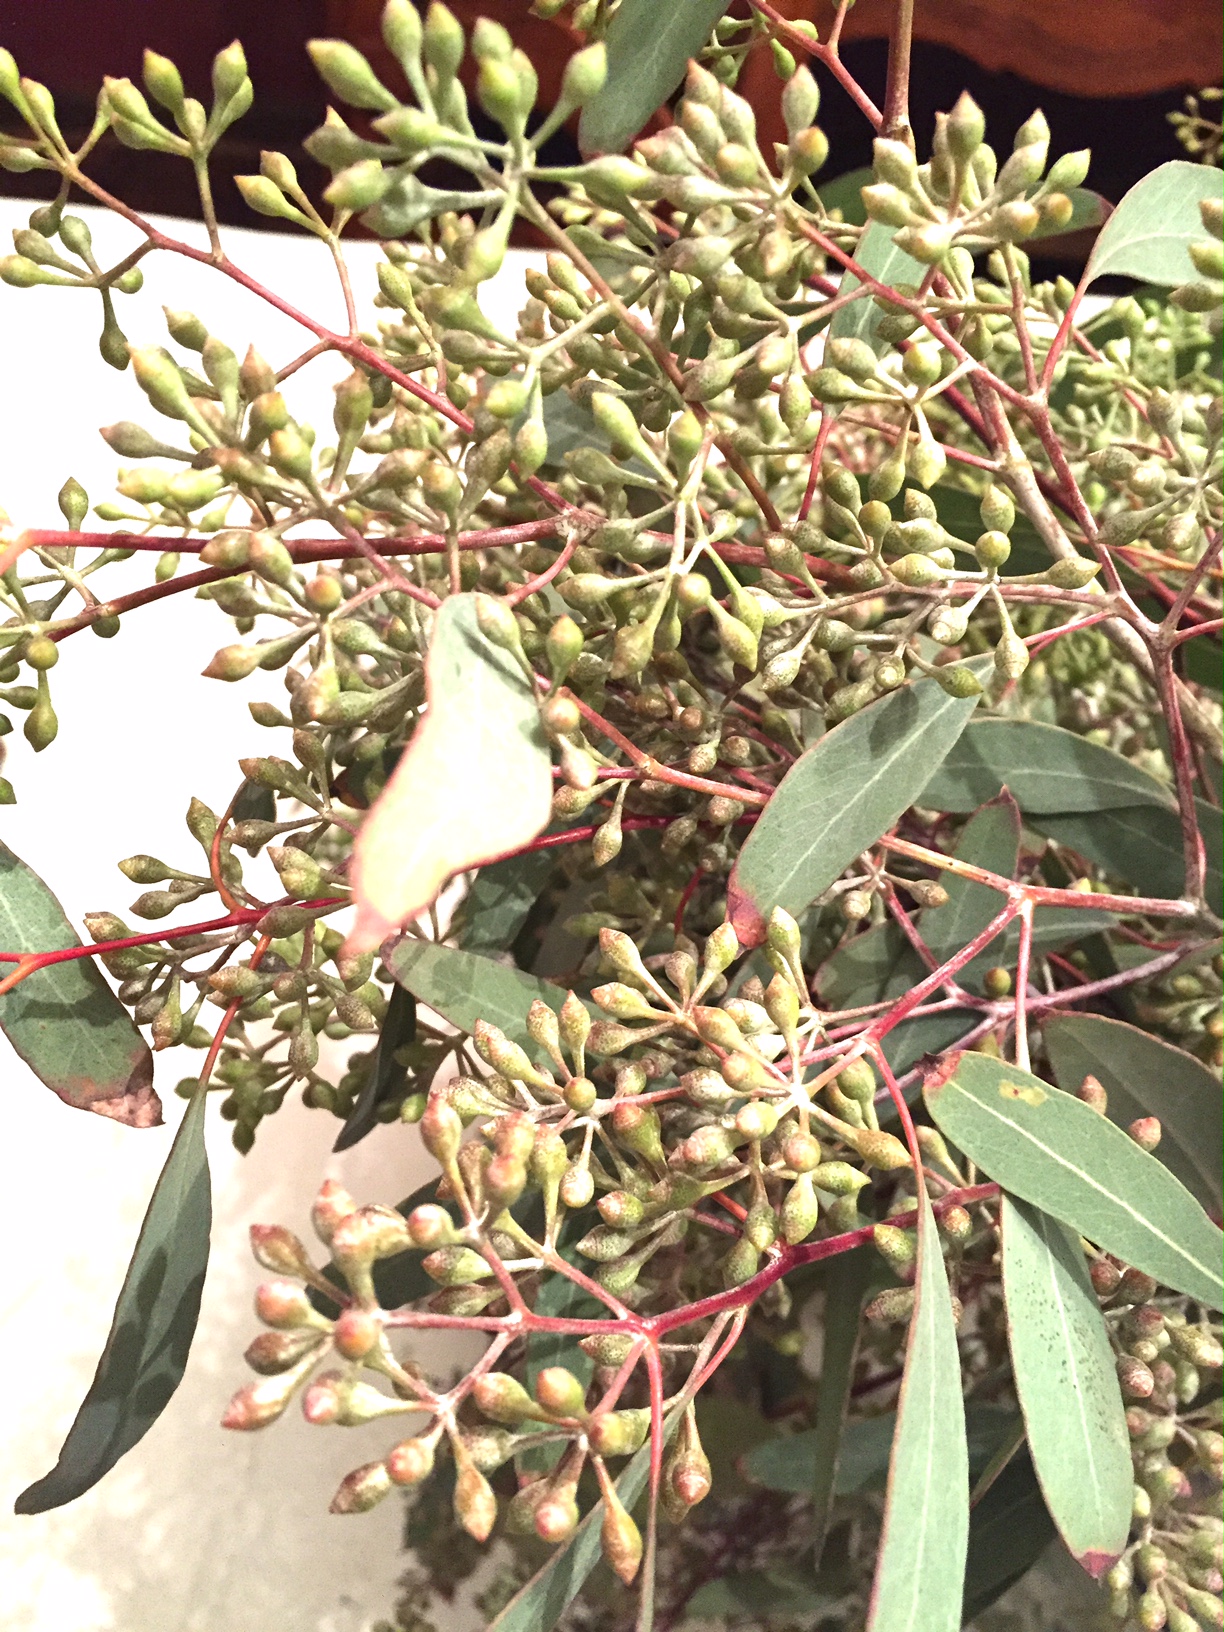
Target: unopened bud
{"type": "Point", "coordinates": [411, 1461]}
{"type": "Point", "coordinates": [1092, 1093]}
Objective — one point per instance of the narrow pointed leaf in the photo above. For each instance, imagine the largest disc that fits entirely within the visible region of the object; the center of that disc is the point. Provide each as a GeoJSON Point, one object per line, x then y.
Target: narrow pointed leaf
{"type": "Point", "coordinates": [64, 1021]}
{"type": "Point", "coordinates": [474, 782]}
{"type": "Point", "coordinates": [464, 988]}
{"type": "Point", "coordinates": [1056, 1152]}
{"type": "Point", "coordinates": [539, 1605]}
{"type": "Point", "coordinates": [1009, 1530]}
{"type": "Point", "coordinates": [649, 46]}
{"type": "Point", "coordinates": [1144, 1076]}
{"type": "Point", "coordinates": [398, 1028]}
{"type": "Point", "coordinates": [838, 798]}
{"type": "Point", "coordinates": [1149, 235]}
{"type": "Point", "coordinates": [845, 1290]}
{"type": "Point", "coordinates": [150, 1337]}
{"type": "Point", "coordinates": [921, 1565]}
{"type": "Point", "coordinates": [1068, 1386]}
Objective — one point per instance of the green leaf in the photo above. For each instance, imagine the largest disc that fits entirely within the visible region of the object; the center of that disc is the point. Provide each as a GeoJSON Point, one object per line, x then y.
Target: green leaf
{"type": "Point", "coordinates": [838, 798]}
{"type": "Point", "coordinates": [154, 1322]}
{"type": "Point", "coordinates": [1009, 1530]}
{"type": "Point", "coordinates": [649, 45]}
{"type": "Point", "coordinates": [64, 1021]}
{"type": "Point", "coordinates": [1149, 235]}
{"type": "Point", "coordinates": [845, 1292]}
{"type": "Point", "coordinates": [760, 1597]}
{"type": "Point", "coordinates": [1044, 767]}
{"type": "Point", "coordinates": [1142, 844]}
{"type": "Point", "coordinates": [1068, 1387]}
{"type": "Point", "coordinates": [921, 1563]}
{"type": "Point", "coordinates": [539, 1605]}
{"type": "Point", "coordinates": [495, 908]}
{"type": "Point", "coordinates": [464, 988]}
{"type": "Point", "coordinates": [878, 255]}
{"type": "Point", "coordinates": [1051, 1149]}
{"type": "Point", "coordinates": [397, 1029]}
{"type": "Point", "coordinates": [1144, 1076]}
{"type": "Point", "coordinates": [788, 1462]}
{"type": "Point", "coordinates": [845, 193]}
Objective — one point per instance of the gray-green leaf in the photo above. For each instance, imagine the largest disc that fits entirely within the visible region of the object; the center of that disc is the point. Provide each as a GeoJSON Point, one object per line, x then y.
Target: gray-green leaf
{"type": "Point", "coordinates": [150, 1336]}
{"type": "Point", "coordinates": [649, 45]}
{"type": "Point", "coordinates": [1055, 1151]}
{"type": "Point", "coordinates": [876, 253]}
{"type": "Point", "coordinates": [64, 1021]}
{"type": "Point", "coordinates": [921, 1565]}
{"type": "Point", "coordinates": [1146, 1077]}
{"type": "Point", "coordinates": [838, 798]}
{"type": "Point", "coordinates": [1068, 1387]}
{"type": "Point", "coordinates": [464, 988]}
{"type": "Point", "coordinates": [1149, 234]}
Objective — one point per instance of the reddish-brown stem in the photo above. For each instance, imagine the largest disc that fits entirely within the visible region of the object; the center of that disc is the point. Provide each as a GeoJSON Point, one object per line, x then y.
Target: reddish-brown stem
{"type": "Point", "coordinates": [1023, 959]}
{"type": "Point", "coordinates": [896, 123]}
{"type": "Point", "coordinates": [789, 1258]}
{"type": "Point", "coordinates": [1183, 773]}
{"type": "Point", "coordinates": [825, 53]}
{"type": "Point", "coordinates": [664, 773]}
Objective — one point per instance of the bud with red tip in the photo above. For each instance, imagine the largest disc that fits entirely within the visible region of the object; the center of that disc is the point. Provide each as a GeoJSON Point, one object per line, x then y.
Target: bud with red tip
{"type": "Point", "coordinates": [362, 1489]}
{"type": "Point", "coordinates": [1092, 1093]}
{"type": "Point", "coordinates": [475, 1504]}
{"type": "Point", "coordinates": [272, 1353]}
{"type": "Point", "coordinates": [357, 1332]}
{"type": "Point", "coordinates": [1145, 1131]}
{"type": "Point", "coordinates": [284, 1305]}
{"type": "Point", "coordinates": [560, 1393]}
{"type": "Point", "coordinates": [411, 1461]}
{"type": "Point", "coordinates": [622, 1540]}
{"type": "Point", "coordinates": [279, 1250]}
{"type": "Point", "coordinates": [332, 1203]}
{"type": "Point", "coordinates": [688, 1469]}
{"type": "Point", "coordinates": [258, 1404]}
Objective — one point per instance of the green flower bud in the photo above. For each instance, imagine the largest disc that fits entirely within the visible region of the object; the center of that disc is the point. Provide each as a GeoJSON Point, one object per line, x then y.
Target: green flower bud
{"type": "Point", "coordinates": [897, 1249]}
{"type": "Point", "coordinates": [585, 75]}
{"type": "Point", "coordinates": [349, 75]}
{"type": "Point", "coordinates": [966, 128]}
{"type": "Point", "coordinates": [1074, 573]}
{"type": "Point", "coordinates": [800, 1210]}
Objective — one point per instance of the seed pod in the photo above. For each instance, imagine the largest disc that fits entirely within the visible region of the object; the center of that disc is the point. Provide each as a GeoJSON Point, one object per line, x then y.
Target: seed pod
{"type": "Point", "coordinates": [272, 1353]}
{"type": "Point", "coordinates": [879, 1149]}
{"type": "Point", "coordinates": [560, 1393]}
{"type": "Point", "coordinates": [279, 1250]}
{"type": "Point", "coordinates": [502, 1398]}
{"type": "Point", "coordinates": [474, 1502]}
{"type": "Point", "coordinates": [455, 1266]}
{"type": "Point", "coordinates": [615, 1433]}
{"type": "Point", "coordinates": [410, 1461]}
{"type": "Point", "coordinates": [897, 1249]}
{"type": "Point", "coordinates": [893, 1305]}
{"type": "Point", "coordinates": [622, 1541]}
{"type": "Point", "coordinates": [1197, 1346]}
{"type": "Point", "coordinates": [258, 1404]}
{"type": "Point", "coordinates": [801, 1209]}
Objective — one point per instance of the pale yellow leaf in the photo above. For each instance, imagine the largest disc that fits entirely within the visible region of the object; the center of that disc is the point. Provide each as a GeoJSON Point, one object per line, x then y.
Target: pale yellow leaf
{"type": "Point", "coordinates": [474, 782]}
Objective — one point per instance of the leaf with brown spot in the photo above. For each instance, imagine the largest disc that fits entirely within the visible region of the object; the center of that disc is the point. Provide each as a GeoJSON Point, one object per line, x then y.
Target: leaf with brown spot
{"type": "Point", "coordinates": [474, 782]}
{"type": "Point", "coordinates": [64, 1021]}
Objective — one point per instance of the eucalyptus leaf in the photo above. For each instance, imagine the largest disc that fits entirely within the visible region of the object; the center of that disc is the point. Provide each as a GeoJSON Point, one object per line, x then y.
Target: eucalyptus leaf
{"type": "Point", "coordinates": [1144, 1076]}
{"type": "Point", "coordinates": [877, 254]}
{"type": "Point", "coordinates": [153, 1326]}
{"type": "Point", "coordinates": [921, 1563]}
{"type": "Point", "coordinates": [1009, 1530]}
{"type": "Point", "coordinates": [1141, 844]}
{"type": "Point", "coordinates": [474, 783]}
{"type": "Point", "coordinates": [838, 798]}
{"type": "Point", "coordinates": [759, 1597]}
{"type": "Point", "coordinates": [1053, 1150]}
{"type": "Point", "coordinates": [464, 988]}
{"type": "Point", "coordinates": [1067, 1384]}
{"type": "Point", "coordinates": [1044, 767]}
{"type": "Point", "coordinates": [1149, 235]}
{"type": "Point", "coordinates": [397, 1029]}
{"type": "Point", "coordinates": [64, 1020]}
{"type": "Point", "coordinates": [495, 907]}
{"type": "Point", "coordinates": [649, 45]}
{"type": "Point", "coordinates": [845, 1291]}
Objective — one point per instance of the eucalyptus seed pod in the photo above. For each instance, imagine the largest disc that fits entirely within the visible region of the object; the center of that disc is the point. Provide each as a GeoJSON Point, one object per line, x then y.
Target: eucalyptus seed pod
{"type": "Point", "coordinates": [892, 1306]}
{"type": "Point", "coordinates": [801, 1208]}
{"type": "Point", "coordinates": [620, 1537]}
{"type": "Point", "coordinates": [475, 1504]}
{"type": "Point", "coordinates": [261, 1403]}
{"type": "Point", "coordinates": [279, 1250]}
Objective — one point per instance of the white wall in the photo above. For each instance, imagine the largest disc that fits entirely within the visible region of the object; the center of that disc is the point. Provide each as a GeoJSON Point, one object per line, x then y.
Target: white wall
{"type": "Point", "coordinates": [196, 1530]}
